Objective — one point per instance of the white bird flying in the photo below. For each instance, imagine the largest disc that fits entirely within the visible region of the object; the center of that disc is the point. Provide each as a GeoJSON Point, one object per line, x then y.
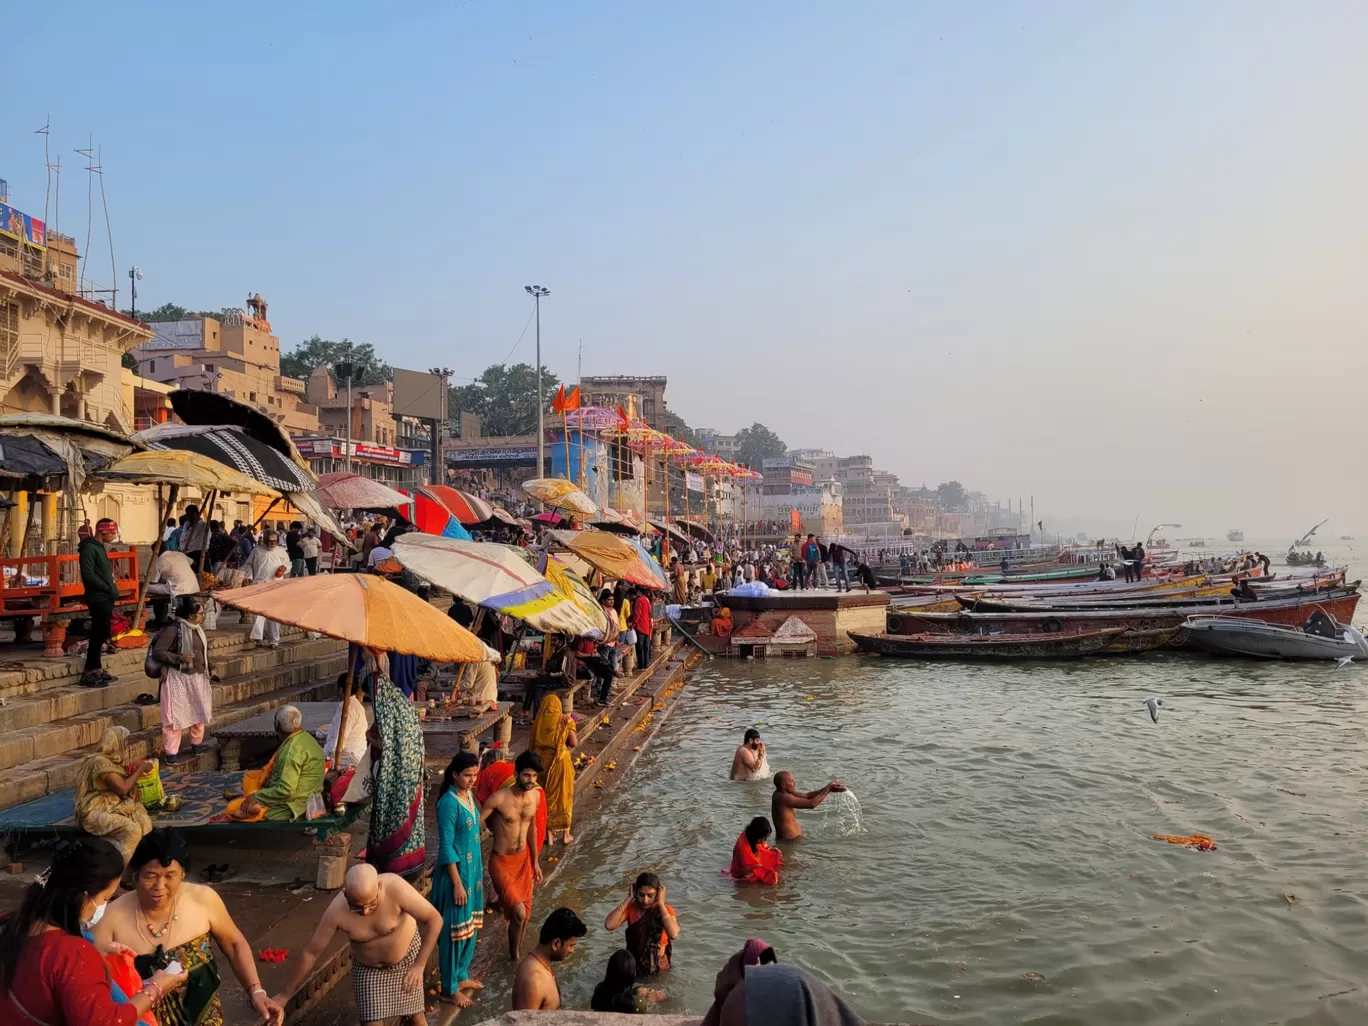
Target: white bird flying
{"type": "Point", "coordinates": [1154, 705]}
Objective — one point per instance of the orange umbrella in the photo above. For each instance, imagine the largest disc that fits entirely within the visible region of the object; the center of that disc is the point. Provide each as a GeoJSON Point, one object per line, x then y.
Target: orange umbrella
{"type": "Point", "coordinates": [360, 608]}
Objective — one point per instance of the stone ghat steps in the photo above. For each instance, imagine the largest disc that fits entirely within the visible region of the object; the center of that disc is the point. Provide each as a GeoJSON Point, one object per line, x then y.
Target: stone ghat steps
{"type": "Point", "coordinates": [35, 761]}
{"type": "Point", "coordinates": [37, 674]}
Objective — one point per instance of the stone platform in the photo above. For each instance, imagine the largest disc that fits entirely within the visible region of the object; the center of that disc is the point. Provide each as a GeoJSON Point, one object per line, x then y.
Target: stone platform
{"type": "Point", "coordinates": [830, 614]}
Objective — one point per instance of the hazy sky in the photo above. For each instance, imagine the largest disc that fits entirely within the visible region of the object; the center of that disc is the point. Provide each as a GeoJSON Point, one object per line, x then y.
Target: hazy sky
{"type": "Point", "coordinates": [1115, 256]}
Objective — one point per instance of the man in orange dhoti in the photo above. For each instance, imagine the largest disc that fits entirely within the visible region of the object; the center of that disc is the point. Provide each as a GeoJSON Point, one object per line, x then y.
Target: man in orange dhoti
{"type": "Point", "coordinates": [515, 859]}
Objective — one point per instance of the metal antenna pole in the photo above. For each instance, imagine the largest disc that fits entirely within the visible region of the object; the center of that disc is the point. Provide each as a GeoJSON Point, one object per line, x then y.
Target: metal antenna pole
{"type": "Point", "coordinates": [536, 292]}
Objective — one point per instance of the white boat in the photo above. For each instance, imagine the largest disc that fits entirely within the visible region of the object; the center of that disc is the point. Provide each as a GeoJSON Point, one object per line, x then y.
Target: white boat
{"type": "Point", "coordinates": [1321, 638]}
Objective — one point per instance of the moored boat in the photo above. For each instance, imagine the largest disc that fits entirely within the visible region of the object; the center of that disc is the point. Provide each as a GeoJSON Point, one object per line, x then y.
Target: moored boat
{"type": "Point", "coordinates": [1070, 645]}
{"type": "Point", "coordinates": [1321, 638]}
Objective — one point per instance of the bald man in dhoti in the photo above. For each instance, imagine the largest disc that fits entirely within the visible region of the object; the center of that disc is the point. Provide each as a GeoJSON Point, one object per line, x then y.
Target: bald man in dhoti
{"type": "Point", "coordinates": [393, 931]}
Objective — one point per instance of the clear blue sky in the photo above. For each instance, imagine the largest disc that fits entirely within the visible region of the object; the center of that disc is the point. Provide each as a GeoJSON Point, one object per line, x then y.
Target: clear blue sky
{"type": "Point", "coordinates": [1081, 250]}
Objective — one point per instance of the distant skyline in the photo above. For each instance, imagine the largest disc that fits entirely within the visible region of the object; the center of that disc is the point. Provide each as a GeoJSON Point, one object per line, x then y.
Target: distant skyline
{"type": "Point", "coordinates": [1110, 255]}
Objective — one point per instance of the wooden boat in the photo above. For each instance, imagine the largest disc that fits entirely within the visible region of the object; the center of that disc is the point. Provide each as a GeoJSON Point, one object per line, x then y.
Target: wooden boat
{"type": "Point", "coordinates": [1257, 638]}
{"type": "Point", "coordinates": [1131, 641]}
{"type": "Point", "coordinates": [991, 603]}
{"type": "Point", "coordinates": [1293, 610]}
{"type": "Point", "coordinates": [1069, 645]}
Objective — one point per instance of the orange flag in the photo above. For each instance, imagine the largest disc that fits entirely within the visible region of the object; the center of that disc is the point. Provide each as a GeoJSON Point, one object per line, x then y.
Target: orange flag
{"type": "Point", "coordinates": [558, 403]}
{"type": "Point", "coordinates": [623, 422]}
{"type": "Point", "coordinates": [572, 401]}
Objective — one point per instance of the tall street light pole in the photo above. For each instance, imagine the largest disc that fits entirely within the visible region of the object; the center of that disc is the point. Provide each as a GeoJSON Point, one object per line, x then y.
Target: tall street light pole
{"type": "Point", "coordinates": [536, 292]}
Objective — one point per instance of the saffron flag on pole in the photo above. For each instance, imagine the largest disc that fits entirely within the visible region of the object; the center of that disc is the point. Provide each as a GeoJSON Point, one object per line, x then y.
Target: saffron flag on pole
{"type": "Point", "coordinates": [558, 403]}
{"type": "Point", "coordinates": [623, 422]}
{"type": "Point", "coordinates": [572, 401]}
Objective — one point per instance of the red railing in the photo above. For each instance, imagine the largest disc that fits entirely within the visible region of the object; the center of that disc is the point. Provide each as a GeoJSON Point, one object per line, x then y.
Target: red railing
{"type": "Point", "coordinates": [60, 590]}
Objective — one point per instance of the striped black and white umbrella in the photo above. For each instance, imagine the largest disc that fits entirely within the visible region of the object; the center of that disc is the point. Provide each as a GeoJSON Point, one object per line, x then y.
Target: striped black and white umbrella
{"type": "Point", "coordinates": [230, 446]}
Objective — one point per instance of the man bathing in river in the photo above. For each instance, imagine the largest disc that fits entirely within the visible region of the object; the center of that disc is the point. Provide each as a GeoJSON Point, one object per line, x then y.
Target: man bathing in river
{"type": "Point", "coordinates": [515, 863]}
{"type": "Point", "coordinates": [534, 985]}
{"type": "Point", "coordinates": [787, 798]}
{"type": "Point", "coordinates": [749, 762]}
{"type": "Point", "coordinates": [393, 932]}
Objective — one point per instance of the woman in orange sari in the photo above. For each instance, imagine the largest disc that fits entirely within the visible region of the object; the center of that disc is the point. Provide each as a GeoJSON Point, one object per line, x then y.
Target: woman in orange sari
{"type": "Point", "coordinates": [553, 735]}
{"type": "Point", "coordinates": [754, 861]}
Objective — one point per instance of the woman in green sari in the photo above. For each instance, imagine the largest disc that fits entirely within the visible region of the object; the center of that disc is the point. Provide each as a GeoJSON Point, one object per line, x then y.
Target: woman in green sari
{"type": "Point", "coordinates": [395, 843]}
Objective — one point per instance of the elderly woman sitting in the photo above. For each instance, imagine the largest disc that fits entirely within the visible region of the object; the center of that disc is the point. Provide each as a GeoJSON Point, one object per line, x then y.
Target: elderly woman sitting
{"type": "Point", "coordinates": [107, 802]}
{"type": "Point", "coordinates": [280, 790]}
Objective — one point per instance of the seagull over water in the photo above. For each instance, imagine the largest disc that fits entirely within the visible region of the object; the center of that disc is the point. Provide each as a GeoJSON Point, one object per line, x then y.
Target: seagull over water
{"type": "Point", "coordinates": [1154, 705]}
{"type": "Point", "coordinates": [1343, 661]}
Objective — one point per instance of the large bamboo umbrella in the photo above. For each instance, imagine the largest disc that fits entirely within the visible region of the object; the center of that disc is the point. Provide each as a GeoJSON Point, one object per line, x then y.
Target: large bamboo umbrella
{"type": "Point", "coordinates": [494, 576]}
{"type": "Point", "coordinates": [177, 468]}
{"type": "Point", "coordinates": [617, 558]}
{"type": "Point", "coordinates": [344, 490]}
{"type": "Point", "coordinates": [364, 609]}
{"type": "Point", "coordinates": [468, 509]}
{"type": "Point", "coordinates": [559, 493]}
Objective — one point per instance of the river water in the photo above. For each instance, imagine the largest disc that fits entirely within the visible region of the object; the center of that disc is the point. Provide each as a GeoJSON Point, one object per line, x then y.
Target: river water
{"type": "Point", "coordinates": [1008, 814]}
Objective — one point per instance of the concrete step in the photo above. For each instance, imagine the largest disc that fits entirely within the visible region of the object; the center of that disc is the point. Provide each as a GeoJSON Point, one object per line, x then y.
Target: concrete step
{"type": "Point", "coordinates": [30, 672]}
{"type": "Point", "coordinates": [68, 700]}
{"type": "Point", "coordinates": [39, 777]}
{"type": "Point", "coordinates": [90, 711]}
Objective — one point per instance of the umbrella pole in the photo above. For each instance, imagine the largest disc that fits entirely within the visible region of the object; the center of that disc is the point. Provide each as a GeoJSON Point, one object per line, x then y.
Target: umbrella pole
{"type": "Point", "coordinates": [207, 515]}
{"type": "Point", "coordinates": [346, 703]}
{"type": "Point", "coordinates": [156, 551]}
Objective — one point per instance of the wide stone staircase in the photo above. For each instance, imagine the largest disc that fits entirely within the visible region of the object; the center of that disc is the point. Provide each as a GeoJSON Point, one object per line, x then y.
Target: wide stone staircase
{"type": "Point", "coordinates": [49, 724]}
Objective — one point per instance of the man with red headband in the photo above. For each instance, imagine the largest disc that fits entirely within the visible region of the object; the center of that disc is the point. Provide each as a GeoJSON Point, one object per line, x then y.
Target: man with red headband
{"type": "Point", "coordinates": [100, 595]}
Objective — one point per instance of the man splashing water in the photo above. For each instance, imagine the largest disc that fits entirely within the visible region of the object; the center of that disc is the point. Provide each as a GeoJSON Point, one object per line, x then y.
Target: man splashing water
{"type": "Point", "coordinates": [787, 798]}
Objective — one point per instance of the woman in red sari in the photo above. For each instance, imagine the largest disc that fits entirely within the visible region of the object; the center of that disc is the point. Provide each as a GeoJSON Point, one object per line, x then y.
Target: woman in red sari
{"type": "Point", "coordinates": [754, 861]}
{"type": "Point", "coordinates": [49, 973]}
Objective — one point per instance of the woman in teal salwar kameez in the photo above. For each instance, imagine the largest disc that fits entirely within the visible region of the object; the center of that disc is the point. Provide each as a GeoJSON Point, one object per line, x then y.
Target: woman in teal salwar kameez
{"type": "Point", "coordinates": [458, 880]}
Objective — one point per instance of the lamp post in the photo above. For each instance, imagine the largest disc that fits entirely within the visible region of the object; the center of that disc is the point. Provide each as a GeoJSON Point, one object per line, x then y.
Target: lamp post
{"type": "Point", "coordinates": [134, 276]}
{"type": "Point", "coordinates": [536, 292]}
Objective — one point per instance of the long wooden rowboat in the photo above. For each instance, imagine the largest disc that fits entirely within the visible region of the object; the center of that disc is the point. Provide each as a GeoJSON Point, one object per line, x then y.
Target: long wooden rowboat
{"type": "Point", "coordinates": [1294, 612]}
{"type": "Point", "coordinates": [987, 646]}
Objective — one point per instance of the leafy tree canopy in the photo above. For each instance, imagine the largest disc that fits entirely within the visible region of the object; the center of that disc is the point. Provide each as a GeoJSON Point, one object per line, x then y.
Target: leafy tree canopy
{"type": "Point", "coordinates": [757, 443]}
{"type": "Point", "coordinates": [368, 369]}
{"type": "Point", "coordinates": [951, 495]}
{"type": "Point", "coordinates": [505, 398]}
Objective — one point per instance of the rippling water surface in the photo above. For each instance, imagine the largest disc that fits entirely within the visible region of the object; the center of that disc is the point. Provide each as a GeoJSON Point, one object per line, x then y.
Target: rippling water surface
{"type": "Point", "coordinates": [1007, 821]}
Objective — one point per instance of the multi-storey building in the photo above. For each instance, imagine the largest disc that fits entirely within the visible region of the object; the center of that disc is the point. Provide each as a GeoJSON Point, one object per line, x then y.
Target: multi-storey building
{"type": "Point", "coordinates": [234, 354]}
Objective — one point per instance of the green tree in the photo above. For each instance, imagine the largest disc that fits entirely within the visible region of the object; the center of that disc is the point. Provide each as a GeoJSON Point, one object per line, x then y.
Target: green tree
{"type": "Point", "coordinates": [676, 426]}
{"type": "Point", "coordinates": [505, 398]}
{"type": "Point", "coordinates": [169, 312]}
{"type": "Point", "coordinates": [756, 443]}
{"type": "Point", "coordinates": [300, 361]}
{"type": "Point", "coordinates": [129, 360]}
{"type": "Point", "coordinates": [951, 495]}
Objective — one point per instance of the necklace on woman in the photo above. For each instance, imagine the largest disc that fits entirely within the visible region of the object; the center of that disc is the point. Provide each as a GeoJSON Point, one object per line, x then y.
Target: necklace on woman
{"type": "Point", "coordinates": [465, 798]}
{"type": "Point", "coordinates": [166, 926]}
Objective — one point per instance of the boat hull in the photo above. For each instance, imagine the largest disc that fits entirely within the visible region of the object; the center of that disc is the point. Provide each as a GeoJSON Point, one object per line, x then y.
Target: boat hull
{"type": "Point", "coordinates": [1291, 612]}
{"type": "Point", "coordinates": [1262, 640]}
{"type": "Point", "coordinates": [990, 646]}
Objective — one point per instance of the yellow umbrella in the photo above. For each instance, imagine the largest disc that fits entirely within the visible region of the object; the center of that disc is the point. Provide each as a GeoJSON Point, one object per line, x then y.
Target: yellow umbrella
{"type": "Point", "coordinates": [182, 467]}
{"type": "Point", "coordinates": [559, 493]}
{"type": "Point", "coordinates": [615, 558]}
{"type": "Point", "coordinates": [573, 587]}
{"type": "Point", "coordinates": [360, 608]}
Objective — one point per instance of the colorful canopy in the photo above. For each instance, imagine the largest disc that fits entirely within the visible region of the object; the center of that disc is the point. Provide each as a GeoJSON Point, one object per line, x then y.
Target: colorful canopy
{"type": "Point", "coordinates": [560, 494]}
{"type": "Point", "coordinates": [360, 608]}
{"type": "Point", "coordinates": [466, 508]}
{"type": "Point", "coordinates": [571, 585]}
{"type": "Point", "coordinates": [344, 490]}
{"type": "Point", "coordinates": [182, 467]}
{"type": "Point", "coordinates": [431, 516]}
{"type": "Point", "coordinates": [495, 576]}
{"type": "Point", "coordinates": [618, 558]}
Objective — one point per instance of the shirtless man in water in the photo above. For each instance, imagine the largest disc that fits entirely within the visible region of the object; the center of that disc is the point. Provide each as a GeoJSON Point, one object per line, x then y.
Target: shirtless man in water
{"type": "Point", "coordinates": [787, 798]}
{"type": "Point", "coordinates": [515, 862]}
{"type": "Point", "coordinates": [535, 986]}
{"type": "Point", "coordinates": [749, 761]}
{"type": "Point", "coordinates": [393, 932]}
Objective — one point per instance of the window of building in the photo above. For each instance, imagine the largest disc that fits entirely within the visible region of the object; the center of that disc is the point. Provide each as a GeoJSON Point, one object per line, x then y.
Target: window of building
{"type": "Point", "coordinates": [151, 366]}
{"type": "Point", "coordinates": [9, 330]}
{"type": "Point", "coordinates": [208, 366]}
{"type": "Point", "coordinates": [251, 396]}
{"type": "Point", "coordinates": [67, 271]}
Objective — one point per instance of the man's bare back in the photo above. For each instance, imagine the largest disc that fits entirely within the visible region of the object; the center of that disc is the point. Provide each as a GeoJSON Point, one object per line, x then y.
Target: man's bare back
{"type": "Point", "coordinates": [535, 986]}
